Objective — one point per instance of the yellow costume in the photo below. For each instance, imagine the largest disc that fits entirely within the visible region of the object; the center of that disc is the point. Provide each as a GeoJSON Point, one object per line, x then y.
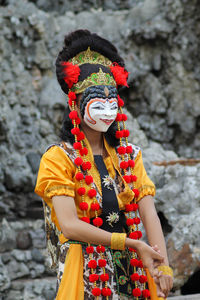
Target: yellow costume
{"type": "Point", "coordinates": [56, 177]}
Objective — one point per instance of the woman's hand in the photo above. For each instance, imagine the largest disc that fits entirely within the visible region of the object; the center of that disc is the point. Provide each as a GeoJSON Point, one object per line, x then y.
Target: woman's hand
{"type": "Point", "coordinates": [164, 284]}
{"type": "Point", "coordinates": [150, 258]}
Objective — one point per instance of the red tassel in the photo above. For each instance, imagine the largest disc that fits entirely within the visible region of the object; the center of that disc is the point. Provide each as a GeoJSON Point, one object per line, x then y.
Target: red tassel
{"type": "Point", "coordinates": [101, 249]}
{"type": "Point", "coordinates": [118, 117]}
{"type": "Point", "coordinates": [123, 164]}
{"type": "Point", "coordinates": [136, 192]}
{"type": "Point", "coordinates": [95, 206]}
{"type": "Point", "coordinates": [104, 277]}
{"type": "Point", "coordinates": [92, 193]}
{"type": "Point", "coordinates": [75, 130]}
{"type": "Point", "coordinates": [93, 277]}
{"type": "Point", "coordinates": [98, 222]}
{"type": "Point", "coordinates": [119, 134]}
{"type": "Point", "coordinates": [81, 191]}
{"type": "Point", "coordinates": [84, 151]}
{"type": "Point", "coordinates": [121, 150]}
{"type": "Point", "coordinates": [88, 179]}
{"type": "Point", "coordinates": [79, 176]}
{"type": "Point", "coordinates": [120, 74]}
{"type": "Point", "coordinates": [78, 161]}
{"type": "Point", "coordinates": [136, 221]}
{"type": "Point", "coordinates": [96, 292]}
{"type": "Point", "coordinates": [143, 279]}
{"type": "Point", "coordinates": [133, 235]}
{"type": "Point", "coordinates": [89, 249]}
{"type": "Point", "coordinates": [72, 98]}
{"type": "Point", "coordinates": [77, 146]}
{"type": "Point", "coordinates": [126, 133]}
{"type": "Point", "coordinates": [129, 222]}
{"type": "Point", "coordinates": [124, 117]}
{"type": "Point", "coordinates": [135, 206]}
{"type": "Point", "coordinates": [101, 263]}
{"type": "Point", "coordinates": [85, 219]}
{"type": "Point", "coordinates": [120, 101]}
{"type": "Point", "coordinates": [80, 136]}
{"type": "Point", "coordinates": [129, 207]}
{"type": "Point", "coordinates": [86, 165]}
{"type": "Point", "coordinates": [92, 264]}
{"type": "Point", "coordinates": [136, 292]}
{"type": "Point", "coordinates": [83, 205]}
{"type": "Point", "coordinates": [129, 149]}
{"type": "Point", "coordinates": [140, 264]}
{"type": "Point", "coordinates": [127, 178]}
{"type": "Point", "coordinates": [71, 73]}
{"type": "Point", "coordinates": [73, 114]}
{"type": "Point", "coordinates": [133, 178]}
{"type": "Point", "coordinates": [135, 277]}
{"type": "Point", "coordinates": [134, 262]}
{"type": "Point", "coordinates": [106, 292]}
{"type": "Point", "coordinates": [131, 163]}
{"type": "Point", "coordinates": [146, 293]}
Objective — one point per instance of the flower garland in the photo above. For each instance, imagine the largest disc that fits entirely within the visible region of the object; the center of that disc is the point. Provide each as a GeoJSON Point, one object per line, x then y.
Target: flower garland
{"type": "Point", "coordinates": [132, 222]}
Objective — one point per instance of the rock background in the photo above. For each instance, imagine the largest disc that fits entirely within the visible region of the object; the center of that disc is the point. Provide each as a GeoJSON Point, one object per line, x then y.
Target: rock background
{"type": "Point", "coordinates": [160, 41]}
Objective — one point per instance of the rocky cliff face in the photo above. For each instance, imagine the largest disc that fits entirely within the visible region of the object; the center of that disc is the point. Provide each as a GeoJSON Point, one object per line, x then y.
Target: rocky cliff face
{"type": "Point", "coordinates": [159, 41]}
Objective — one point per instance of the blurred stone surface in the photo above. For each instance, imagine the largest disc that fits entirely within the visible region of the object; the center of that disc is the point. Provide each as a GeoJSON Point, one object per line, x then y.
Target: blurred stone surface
{"type": "Point", "coordinates": [160, 43]}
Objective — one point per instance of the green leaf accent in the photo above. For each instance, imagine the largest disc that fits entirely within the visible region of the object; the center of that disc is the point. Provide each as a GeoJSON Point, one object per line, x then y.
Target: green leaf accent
{"type": "Point", "coordinates": [116, 257]}
{"type": "Point", "coordinates": [123, 279]}
{"type": "Point", "coordinates": [129, 289]}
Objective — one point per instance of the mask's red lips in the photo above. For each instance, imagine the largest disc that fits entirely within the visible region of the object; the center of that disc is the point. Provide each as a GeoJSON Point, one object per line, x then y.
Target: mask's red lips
{"type": "Point", "coordinates": [107, 121]}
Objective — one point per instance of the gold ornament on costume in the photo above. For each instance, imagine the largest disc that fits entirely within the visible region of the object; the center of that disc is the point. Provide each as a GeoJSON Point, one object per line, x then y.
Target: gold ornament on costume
{"type": "Point", "coordinates": [99, 78]}
{"type": "Point", "coordinates": [90, 57]}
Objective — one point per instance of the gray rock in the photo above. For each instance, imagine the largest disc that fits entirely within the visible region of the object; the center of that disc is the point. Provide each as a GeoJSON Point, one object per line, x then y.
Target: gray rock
{"type": "Point", "coordinates": [17, 269]}
{"type": "Point", "coordinates": [37, 255]}
{"type": "Point", "coordinates": [34, 161]}
{"type": "Point", "coordinates": [4, 278]}
{"type": "Point", "coordinates": [7, 237]}
{"type": "Point", "coordinates": [38, 238]}
{"type": "Point", "coordinates": [23, 240]}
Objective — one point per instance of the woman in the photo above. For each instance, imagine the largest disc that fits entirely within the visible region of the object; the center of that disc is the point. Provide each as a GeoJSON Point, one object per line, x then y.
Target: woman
{"type": "Point", "coordinates": [94, 183]}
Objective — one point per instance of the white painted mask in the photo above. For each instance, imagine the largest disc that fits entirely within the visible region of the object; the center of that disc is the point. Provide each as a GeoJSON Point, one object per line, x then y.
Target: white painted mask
{"type": "Point", "coordinates": [100, 113]}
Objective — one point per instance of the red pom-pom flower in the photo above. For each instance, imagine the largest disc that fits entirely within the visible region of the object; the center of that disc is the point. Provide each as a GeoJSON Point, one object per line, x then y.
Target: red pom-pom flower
{"type": "Point", "coordinates": [98, 222]}
{"type": "Point", "coordinates": [92, 193]}
{"type": "Point", "coordinates": [101, 249]}
{"type": "Point", "coordinates": [72, 97]}
{"type": "Point", "coordinates": [101, 263]}
{"type": "Point", "coordinates": [78, 161]}
{"type": "Point", "coordinates": [96, 292]}
{"type": "Point", "coordinates": [92, 264]}
{"type": "Point", "coordinates": [120, 74]}
{"type": "Point", "coordinates": [71, 73]}
{"type": "Point", "coordinates": [120, 101]}
{"type": "Point", "coordinates": [93, 277]}
{"type": "Point", "coordinates": [136, 292]}
{"type": "Point", "coordinates": [83, 205]}
{"type": "Point", "coordinates": [95, 206]}
{"type": "Point", "coordinates": [106, 292]}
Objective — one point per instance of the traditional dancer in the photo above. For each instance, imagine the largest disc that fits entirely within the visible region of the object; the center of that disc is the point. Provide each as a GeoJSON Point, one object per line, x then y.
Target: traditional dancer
{"type": "Point", "coordinates": [94, 187]}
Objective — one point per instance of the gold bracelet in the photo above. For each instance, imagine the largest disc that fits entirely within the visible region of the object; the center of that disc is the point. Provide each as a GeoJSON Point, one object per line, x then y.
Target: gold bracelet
{"type": "Point", "coordinates": [118, 241]}
{"type": "Point", "coordinates": [166, 270]}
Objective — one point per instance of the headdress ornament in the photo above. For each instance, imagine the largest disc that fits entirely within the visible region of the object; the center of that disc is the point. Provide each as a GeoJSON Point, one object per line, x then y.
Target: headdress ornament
{"type": "Point", "coordinates": [90, 57]}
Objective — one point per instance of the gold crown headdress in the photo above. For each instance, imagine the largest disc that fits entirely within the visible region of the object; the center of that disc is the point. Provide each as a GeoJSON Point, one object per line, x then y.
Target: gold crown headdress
{"type": "Point", "coordinates": [90, 57]}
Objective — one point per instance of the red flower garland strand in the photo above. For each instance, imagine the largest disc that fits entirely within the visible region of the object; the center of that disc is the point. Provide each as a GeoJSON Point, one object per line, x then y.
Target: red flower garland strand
{"type": "Point", "coordinates": [133, 223]}
{"type": "Point", "coordinates": [129, 208]}
{"type": "Point", "coordinates": [80, 161]}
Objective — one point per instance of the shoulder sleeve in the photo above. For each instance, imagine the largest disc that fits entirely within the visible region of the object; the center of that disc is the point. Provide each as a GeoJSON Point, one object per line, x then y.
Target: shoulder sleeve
{"type": "Point", "coordinates": [143, 183]}
{"type": "Point", "coordinates": [55, 175]}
